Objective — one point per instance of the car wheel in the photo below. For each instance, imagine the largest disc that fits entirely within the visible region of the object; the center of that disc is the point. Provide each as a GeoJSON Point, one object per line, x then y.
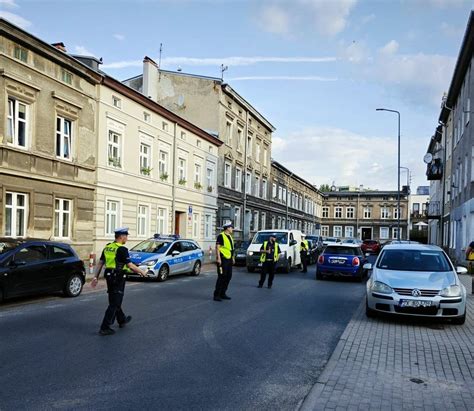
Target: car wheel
{"type": "Point", "coordinates": [459, 320]}
{"type": "Point", "coordinates": [1, 295]}
{"type": "Point", "coordinates": [163, 273]}
{"type": "Point", "coordinates": [197, 268]}
{"type": "Point", "coordinates": [368, 311]}
{"type": "Point", "coordinates": [73, 286]}
{"type": "Point", "coordinates": [287, 268]}
{"type": "Point", "coordinates": [251, 269]}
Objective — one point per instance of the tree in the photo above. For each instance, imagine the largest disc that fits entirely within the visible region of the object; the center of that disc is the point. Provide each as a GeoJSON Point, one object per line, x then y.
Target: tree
{"type": "Point", "coordinates": [324, 187]}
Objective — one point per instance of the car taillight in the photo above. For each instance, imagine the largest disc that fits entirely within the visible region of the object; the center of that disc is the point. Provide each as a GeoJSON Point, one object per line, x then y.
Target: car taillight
{"type": "Point", "coordinates": [321, 259]}
{"type": "Point", "coordinates": [355, 261]}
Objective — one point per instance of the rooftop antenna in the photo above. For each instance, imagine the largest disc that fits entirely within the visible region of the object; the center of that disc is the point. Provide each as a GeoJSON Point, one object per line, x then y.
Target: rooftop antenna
{"type": "Point", "coordinates": [159, 62]}
{"type": "Point", "coordinates": [223, 68]}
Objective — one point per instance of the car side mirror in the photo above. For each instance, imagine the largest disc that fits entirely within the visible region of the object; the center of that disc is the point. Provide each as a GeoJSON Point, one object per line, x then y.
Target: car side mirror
{"type": "Point", "coordinates": [461, 270]}
{"type": "Point", "coordinates": [367, 266]}
{"type": "Point", "coordinates": [293, 242]}
{"type": "Point", "coordinates": [175, 253]}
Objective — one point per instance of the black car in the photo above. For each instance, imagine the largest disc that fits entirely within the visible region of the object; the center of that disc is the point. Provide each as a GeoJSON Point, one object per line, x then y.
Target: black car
{"type": "Point", "coordinates": [39, 266]}
{"type": "Point", "coordinates": [313, 251]}
{"type": "Point", "coordinates": [317, 240]}
{"type": "Point", "coordinates": [240, 252]}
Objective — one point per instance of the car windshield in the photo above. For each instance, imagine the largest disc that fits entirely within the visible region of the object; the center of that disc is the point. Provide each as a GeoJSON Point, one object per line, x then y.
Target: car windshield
{"type": "Point", "coordinates": [243, 244]}
{"type": "Point", "coordinates": [260, 238]}
{"type": "Point", "coordinates": [152, 246]}
{"type": "Point", "coordinates": [330, 239]}
{"type": "Point", "coordinates": [340, 250]}
{"type": "Point", "coordinates": [6, 246]}
{"type": "Point", "coordinates": [414, 260]}
{"type": "Point", "coordinates": [370, 242]}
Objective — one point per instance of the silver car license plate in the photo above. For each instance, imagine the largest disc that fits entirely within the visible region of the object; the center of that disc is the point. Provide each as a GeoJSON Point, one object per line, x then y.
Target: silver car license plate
{"type": "Point", "coordinates": [415, 303]}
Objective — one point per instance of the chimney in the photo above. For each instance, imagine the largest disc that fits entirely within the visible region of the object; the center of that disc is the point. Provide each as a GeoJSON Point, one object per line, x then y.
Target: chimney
{"type": "Point", "coordinates": [60, 46]}
{"type": "Point", "coordinates": [150, 78]}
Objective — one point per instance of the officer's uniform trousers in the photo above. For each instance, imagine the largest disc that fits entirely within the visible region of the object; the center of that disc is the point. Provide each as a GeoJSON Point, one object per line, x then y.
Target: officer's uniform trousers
{"type": "Point", "coordinates": [115, 289]}
{"type": "Point", "coordinates": [304, 260]}
{"type": "Point", "coordinates": [267, 268]}
{"type": "Point", "coordinates": [224, 277]}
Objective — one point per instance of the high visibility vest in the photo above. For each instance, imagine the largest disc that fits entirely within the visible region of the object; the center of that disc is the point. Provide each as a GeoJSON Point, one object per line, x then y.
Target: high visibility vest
{"type": "Point", "coordinates": [110, 252]}
{"type": "Point", "coordinates": [264, 255]}
{"type": "Point", "coordinates": [228, 248]}
{"type": "Point", "coordinates": [305, 246]}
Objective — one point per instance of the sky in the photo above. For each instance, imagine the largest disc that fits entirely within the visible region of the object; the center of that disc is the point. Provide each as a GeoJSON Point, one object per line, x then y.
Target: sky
{"type": "Point", "coordinates": [316, 69]}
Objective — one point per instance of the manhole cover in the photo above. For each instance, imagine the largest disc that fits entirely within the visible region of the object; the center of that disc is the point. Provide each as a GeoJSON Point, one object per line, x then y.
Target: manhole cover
{"type": "Point", "coordinates": [416, 380]}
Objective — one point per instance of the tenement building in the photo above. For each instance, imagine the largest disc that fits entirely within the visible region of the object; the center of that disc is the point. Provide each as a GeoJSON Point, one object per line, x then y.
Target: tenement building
{"type": "Point", "coordinates": [364, 215]}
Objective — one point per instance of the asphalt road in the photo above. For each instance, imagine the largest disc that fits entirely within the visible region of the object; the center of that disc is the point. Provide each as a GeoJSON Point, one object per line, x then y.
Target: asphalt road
{"type": "Point", "coordinates": [263, 350]}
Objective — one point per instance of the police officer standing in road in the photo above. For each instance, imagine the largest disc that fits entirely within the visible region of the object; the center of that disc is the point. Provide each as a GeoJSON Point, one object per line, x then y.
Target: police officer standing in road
{"type": "Point", "coordinates": [224, 260]}
{"type": "Point", "coordinates": [268, 258]}
{"type": "Point", "coordinates": [117, 264]}
{"type": "Point", "coordinates": [304, 254]}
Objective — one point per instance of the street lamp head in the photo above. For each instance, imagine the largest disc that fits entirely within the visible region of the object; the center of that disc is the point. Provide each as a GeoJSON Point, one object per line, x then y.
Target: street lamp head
{"type": "Point", "coordinates": [379, 109]}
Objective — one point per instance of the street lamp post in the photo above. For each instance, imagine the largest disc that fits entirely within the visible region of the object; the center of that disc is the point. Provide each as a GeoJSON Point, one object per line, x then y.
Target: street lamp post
{"type": "Point", "coordinates": [398, 168]}
{"type": "Point", "coordinates": [409, 210]}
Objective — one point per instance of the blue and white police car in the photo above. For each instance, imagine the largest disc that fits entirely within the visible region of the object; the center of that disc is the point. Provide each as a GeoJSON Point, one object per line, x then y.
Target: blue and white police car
{"type": "Point", "coordinates": [162, 256]}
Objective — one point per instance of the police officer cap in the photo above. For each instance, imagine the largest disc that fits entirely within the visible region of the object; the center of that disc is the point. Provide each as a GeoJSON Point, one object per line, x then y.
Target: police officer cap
{"type": "Point", "coordinates": [228, 224]}
{"type": "Point", "coordinates": [121, 231]}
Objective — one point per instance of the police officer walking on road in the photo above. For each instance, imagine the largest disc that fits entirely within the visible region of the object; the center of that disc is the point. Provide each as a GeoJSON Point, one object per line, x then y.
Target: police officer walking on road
{"type": "Point", "coordinates": [117, 263]}
{"type": "Point", "coordinates": [224, 260]}
{"type": "Point", "coordinates": [304, 254]}
{"type": "Point", "coordinates": [268, 258]}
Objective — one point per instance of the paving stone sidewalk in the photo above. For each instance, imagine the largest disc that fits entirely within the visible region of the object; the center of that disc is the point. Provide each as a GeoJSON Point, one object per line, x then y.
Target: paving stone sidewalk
{"type": "Point", "coordinates": [386, 364]}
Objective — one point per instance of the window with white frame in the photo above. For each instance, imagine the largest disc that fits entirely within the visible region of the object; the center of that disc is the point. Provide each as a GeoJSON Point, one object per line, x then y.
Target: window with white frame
{"type": "Point", "coordinates": [325, 230]}
{"type": "Point", "coordinates": [196, 226]}
{"type": "Point", "coordinates": [249, 145]}
{"type": "Point", "coordinates": [62, 218]}
{"type": "Point", "coordinates": [16, 214]}
{"type": "Point", "coordinates": [238, 218]}
{"type": "Point", "coordinates": [255, 221]}
{"type": "Point", "coordinates": [209, 178]}
{"type": "Point", "coordinates": [349, 212]}
{"type": "Point", "coordinates": [239, 140]}
{"type": "Point", "coordinates": [348, 231]}
{"type": "Point", "coordinates": [112, 216]}
{"type": "Point", "coordinates": [66, 76]}
{"type": "Point", "coordinates": [283, 196]}
{"type": "Point", "coordinates": [163, 164]}
{"type": "Point", "coordinates": [273, 222]}
{"type": "Point", "coordinates": [280, 193]}
{"type": "Point", "coordinates": [114, 149]}
{"type": "Point", "coordinates": [227, 175]}
{"type": "Point", "coordinates": [395, 231]}
{"type": "Point", "coordinates": [197, 175]}
{"type": "Point", "coordinates": [257, 152]}
{"type": "Point", "coordinates": [116, 102]}
{"type": "Point", "coordinates": [182, 170]}
{"type": "Point", "coordinates": [263, 223]}
{"type": "Point", "coordinates": [325, 212]}
{"type": "Point", "coordinates": [142, 220]}
{"type": "Point", "coordinates": [238, 179]}
{"type": "Point", "coordinates": [164, 126]}
{"type": "Point", "coordinates": [248, 183]}
{"type": "Point", "coordinates": [208, 226]}
{"type": "Point", "coordinates": [395, 213]}
{"type": "Point", "coordinates": [257, 187]}
{"type": "Point", "coordinates": [146, 117]}
{"type": "Point", "coordinates": [337, 212]}
{"type": "Point", "coordinates": [265, 156]}
{"type": "Point", "coordinates": [162, 221]}
{"type": "Point", "coordinates": [145, 159]}
{"type": "Point", "coordinates": [367, 212]}
{"type": "Point", "coordinates": [228, 133]}
{"type": "Point", "coordinates": [264, 189]}
{"type": "Point", "coordinates": [384, 213]}
{"type": "Point", "coordinates": [63, 138]}
{"type": "Point", "coordinates": [337, 231]}
{"type": "Point", "coordinates": [17, 123]}
{"type": "Point", "coordinates": [20, 53]}
{"type": "Point", "coordinates": [182, 135]}
{"type": "Point", "coordinates": [274, 188]}
{"type": "Point", "coordinates": [384, 233]}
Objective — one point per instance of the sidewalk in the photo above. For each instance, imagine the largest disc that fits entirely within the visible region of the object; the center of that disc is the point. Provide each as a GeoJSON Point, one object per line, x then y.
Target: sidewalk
{"type": "Point", "coordinates": [398, 364]}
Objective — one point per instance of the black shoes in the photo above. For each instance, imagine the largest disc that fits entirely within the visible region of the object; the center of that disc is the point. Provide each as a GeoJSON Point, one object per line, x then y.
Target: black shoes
{"type": "Point", "coordinates": [226, 297]}
{"type": "Point", "coordinates": [259, 286]}
{"type": "Point", "coordinates": [217, 298]}
{"type": "Point", "coordinates": [128, 318]}
{"type": "Point", "coordinates": [269, 286]}
{"type": "Point", "coordinates": [106, 331]}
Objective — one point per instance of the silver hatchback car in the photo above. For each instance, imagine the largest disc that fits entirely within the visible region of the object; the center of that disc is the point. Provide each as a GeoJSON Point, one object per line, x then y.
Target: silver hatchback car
{"type": "Point", "coordinates": [416, 280]}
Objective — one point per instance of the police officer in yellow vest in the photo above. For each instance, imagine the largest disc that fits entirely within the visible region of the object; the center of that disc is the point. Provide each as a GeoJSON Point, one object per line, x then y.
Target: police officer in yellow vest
{"type": "Point", "coordinates": [117, 264]}
{"type": "Point", "coordinates": [304, 254]}
{"type": "Point", "coordinates": [224, 260]}
{"type": "Point", "coordinates": [269, 258]}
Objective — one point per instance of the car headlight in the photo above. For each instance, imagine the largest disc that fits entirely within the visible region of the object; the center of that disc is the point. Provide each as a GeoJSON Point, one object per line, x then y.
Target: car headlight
{"type": "Point", "coordinates": [250, 253]}
{"type": "Point", "coordinates": [451, 291]}
{"type": "Point", "coordinates": [150, 263]}
{"type": "Point", "coordinates": [380, 287]}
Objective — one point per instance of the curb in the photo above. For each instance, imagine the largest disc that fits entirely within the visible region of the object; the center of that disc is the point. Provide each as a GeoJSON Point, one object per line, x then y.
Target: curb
{"type": "Point", "coordinates": [318, 387]}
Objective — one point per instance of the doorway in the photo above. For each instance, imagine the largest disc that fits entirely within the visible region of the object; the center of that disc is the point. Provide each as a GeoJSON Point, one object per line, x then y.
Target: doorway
{"type": "Point", "coordinates": [366, 233]}
{"type": "Point", "coordinates": [180, 223]}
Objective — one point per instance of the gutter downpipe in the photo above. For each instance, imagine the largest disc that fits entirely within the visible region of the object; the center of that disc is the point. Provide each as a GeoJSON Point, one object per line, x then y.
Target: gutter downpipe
{"type": "Point", "coordinates": [173, 187]}
{"type": "Point", "coordinates": [444, 137]}
{"type": "Point", "coordinates": [245, 235]}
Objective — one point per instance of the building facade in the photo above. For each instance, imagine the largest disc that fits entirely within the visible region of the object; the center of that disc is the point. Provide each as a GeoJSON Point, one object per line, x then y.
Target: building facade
{"type": "Point", "coordinates": [244, 166]}
{"type": "Point", "coordinates": [417, 218]}
{"type": "Point", "coordinates": [47, 141]}
{"type": "Point", "coordinates": [364, 215]}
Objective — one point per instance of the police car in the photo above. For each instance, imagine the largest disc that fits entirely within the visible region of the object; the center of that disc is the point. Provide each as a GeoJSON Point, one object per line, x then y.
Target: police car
{"type": "Point", "coordinates": [162, 256]}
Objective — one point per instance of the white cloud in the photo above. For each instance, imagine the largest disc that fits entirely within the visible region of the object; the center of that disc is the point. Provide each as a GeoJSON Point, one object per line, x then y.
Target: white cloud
{"type": "Point", "coordinates": [451, 31]}
{"type": "Point", "coordinates": [228, 61]}
{"type": "Point", "coordinates": [355, 52]}
{"type": "Point", "coordinates": [81, 50]}
{"type": "Point", "coordinates": [275, 19]}
{"type": "Point", "coordinates": [15, 19]}
{"type": "Point", "coordinates": [443, 4]}
{"type": "Point", "coordinates": [119, 37]}
{"type": "Point", "coordinates": [330, 17]}
{"type": "Point", "coordinates": [390, 48]}
{"type": "Point", "coordinates": [284, 78]}
{"type": "Point", "coordinates": [8, 4]}
{"type": "Point", "coordinates": [368, 18]}
{"type": "Point", "coordinates": [347, 158]}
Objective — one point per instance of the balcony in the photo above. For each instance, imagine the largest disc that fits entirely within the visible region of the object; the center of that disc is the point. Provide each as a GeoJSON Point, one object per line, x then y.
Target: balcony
{"type": "Point", "coordinates": [433, 211]}
{"type": "Point", "coordinates": [434, 170]}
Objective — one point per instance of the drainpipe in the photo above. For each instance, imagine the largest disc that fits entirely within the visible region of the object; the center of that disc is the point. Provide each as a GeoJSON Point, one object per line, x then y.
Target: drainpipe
{"type": "Point", "coordinates": [173, 179]}
{"type": "Point", "coordinates": [245, 234]}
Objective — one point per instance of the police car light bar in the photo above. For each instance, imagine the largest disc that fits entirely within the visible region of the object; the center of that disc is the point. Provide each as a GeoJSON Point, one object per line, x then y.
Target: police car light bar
{"type": "Point", "coordinates": [173, 236]}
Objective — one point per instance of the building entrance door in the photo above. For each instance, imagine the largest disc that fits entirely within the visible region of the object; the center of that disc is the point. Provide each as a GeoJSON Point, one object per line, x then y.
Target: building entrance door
{"type": "Point", "coordinates": [180, 223]}
{"type": "Point", "coordinates": [366, 233]}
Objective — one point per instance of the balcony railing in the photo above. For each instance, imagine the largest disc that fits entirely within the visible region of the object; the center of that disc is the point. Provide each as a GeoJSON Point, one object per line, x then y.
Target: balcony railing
{"type": "Point", "coordinates": [433, 211]}
{"type": "Point", "coordinates": [434, 170]}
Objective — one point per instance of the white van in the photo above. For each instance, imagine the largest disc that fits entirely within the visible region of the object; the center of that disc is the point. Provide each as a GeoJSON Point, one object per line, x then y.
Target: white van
{"type": "Point", "coordinates": [289, 243]}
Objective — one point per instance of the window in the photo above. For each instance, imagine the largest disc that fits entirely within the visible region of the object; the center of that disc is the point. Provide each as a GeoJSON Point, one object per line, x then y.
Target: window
{"type": "Point", "coordinates": [283, 196]}
{"type": "Point", "coordinates": [265, 156]}
{"type": "Point", "coordinates": [249, 145]}
{"type": "Point", "coordinates": [112, 216]}
{"type": "Point", "coordinates": [264, 221]}
{"type": "Point", "coordinates": [395, 213]}
{"type": "Point", "coordinates": [384, 233]}
{"type": "Point", "coordinates": [66, 76]}
{"type": "Point", "coordinates": [257, 187]}
{"type": "Point", "coordinates": [348, 231]}
{"type": "Point", "coordinates": [264, 189]}
{"type": "Point", "coordinates": [228, 133]}
{"type": "Point", "coordinates": [146, 117]}
{"type": "Point", "coordinates": [164, 127]}
{"type": "Point", "coordinates": [20, 53]}
{"type": "Point", "coordinates": [325, 230]}
{"type": "Point", "coordinates": [338, 212]}
{"type": "Point", "coordinates": [145, 159]}
{"type": "Point", "coordinates": [162, 223]}
{"type": "Point", "coordinates": [182, 170]}
{"type": "Point", "coordinates": [198, 143]}
{"type": "Point", "coordinates": [255, 220]}
{"type": "Point", "coordinates": [274, 189]}
{"type": "Point", "coordinates": [116, 102]}
{"type": "Point", "coordinates": [350, 212]}
{"type": "Point", "coordinates": [142, 220]}
{"type": "Point", "coordinates": [63, 138]}
{"type": "Point", "coordinates": [248, 183]}
{"type": "Point", "coordinates": [239, 140]}
{"type": "Point", "coordinates": [16, 214]}
{"type": "Point", "coordinates": [62, 218]}
{"type": "Point", "coordinates": [114, 149]}
{"type": "Point", "coordinates": [59, 252]}
{"type": "Point", "coordinates": [17, 123]}
{"type": "Point", "coordinates": [208, 226]}
{"type": "Point", "coordinates": [280, 194]}
{"type": "Point", "coordinates": [468, 110]}
{"type": "Point", "coordinates": [367, 212]}
{"type": "Point", "coordinates": [384, 213]}
{"type": "Point", "coordinates": [238, 179]}
{"type": "Point", "coordinates": [163, 165]}
{"type": "Point", "coordinates": [273, 222]}
{"type": "Point", "coordinates": [238, 218]}
{"type": "Point", "coordinates": [197, 175]}
{"type": "Point", "coordinates": [257, 153]}
{"type": "Point", "coordinates": [32, 254]}
{"type": "Point", "coordinates": [183, 134]}
{"type": "Point", "coordinates": [209, 178]}
{"type": "Point", "coordinates": [227, 175]}
{"type": "Point", "coordinates": [325, 213]}
{"type": "Point", "coordinates": [394, 232]}
{"type": "Point", "coordinates": [196, 230]}
{"type": "Point", "coordinates": [337, 231]}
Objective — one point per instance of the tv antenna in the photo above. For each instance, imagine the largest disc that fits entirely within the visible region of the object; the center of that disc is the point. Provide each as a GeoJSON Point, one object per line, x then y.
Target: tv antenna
{"type": "Point", "coordinates": [159, 62]}
{"type": "Point", "coordinates": [223, 68]}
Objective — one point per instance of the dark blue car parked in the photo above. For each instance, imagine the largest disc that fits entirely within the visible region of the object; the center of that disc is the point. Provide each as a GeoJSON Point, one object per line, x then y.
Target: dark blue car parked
{"type": "Point", "coordinates": [341, 260]}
